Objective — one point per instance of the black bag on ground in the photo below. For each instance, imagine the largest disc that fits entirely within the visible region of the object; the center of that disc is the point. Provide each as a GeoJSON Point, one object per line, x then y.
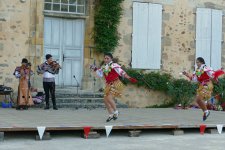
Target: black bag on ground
{"type": "Point", "coordinates": [5, 88]}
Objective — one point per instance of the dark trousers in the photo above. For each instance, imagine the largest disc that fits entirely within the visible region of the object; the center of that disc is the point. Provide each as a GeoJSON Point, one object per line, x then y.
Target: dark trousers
{"type": "Point", "coordinates": [49, 87]}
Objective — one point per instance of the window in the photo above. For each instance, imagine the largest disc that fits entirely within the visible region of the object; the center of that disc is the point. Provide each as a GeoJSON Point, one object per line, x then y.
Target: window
{"type": "Point", "coordinates": [65, 6]}
{"type": "Point", "coordinates": [146, 41]}
{"type": "Point", "coordinates": [209, 36]}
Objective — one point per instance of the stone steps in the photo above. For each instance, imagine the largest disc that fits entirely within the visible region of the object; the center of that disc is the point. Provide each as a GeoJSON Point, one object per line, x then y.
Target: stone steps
{"type": "Point", "coordinates": [79, 105]}
{"type": "Point", "coordinates": [67, 99]}
{"type": "Point", "coordinates": [63, 95]}
{"type": "Point", "coordinates": [79, 100]}
{"type": "Point", "coordinates": [74, 105]}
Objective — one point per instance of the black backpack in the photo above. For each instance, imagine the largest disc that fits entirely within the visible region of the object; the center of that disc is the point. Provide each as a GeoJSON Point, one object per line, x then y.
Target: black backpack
{"type": "Point", "coordinates": [5, 88]}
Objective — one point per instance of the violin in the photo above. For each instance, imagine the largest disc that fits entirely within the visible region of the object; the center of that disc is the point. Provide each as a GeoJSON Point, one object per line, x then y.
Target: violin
{"type": "Point", "coordinates": [54, 67]}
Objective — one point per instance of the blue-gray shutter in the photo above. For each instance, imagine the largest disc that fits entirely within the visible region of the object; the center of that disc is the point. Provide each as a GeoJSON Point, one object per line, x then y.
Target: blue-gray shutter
{"type": "Point", "coordinates": [154, 36]}
{"type": "Point", "coordinates": [216, 39]}
{"type": "Point", "coordinates": [203, 34]}
{"type": "Point", "coordinates": [209, 36]}
{"type": "Point", "coordinates": [146, 41]}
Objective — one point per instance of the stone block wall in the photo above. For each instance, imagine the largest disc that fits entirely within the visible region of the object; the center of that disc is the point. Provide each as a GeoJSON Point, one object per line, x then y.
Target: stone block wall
{"type": "Point", "coordinates": [22, 29]}
{"type": "Point", "coordinates": [178, 42]}
{"type": "Point", "coordinates": [14, 38]}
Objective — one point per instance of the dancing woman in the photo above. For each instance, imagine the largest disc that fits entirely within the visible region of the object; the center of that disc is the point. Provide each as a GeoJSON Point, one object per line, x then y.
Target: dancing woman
{"type": "Point", "coordinates": [113, 86]}
{"type": "Point", "coordinates": [204, 76]}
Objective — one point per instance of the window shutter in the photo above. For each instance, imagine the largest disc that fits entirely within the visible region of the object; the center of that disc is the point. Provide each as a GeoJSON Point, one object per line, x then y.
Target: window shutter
{"type": "Point", "coordinates": [146, 42]}
{"type": "Point", "coordinates": [140, 36]}
{"type": "Point", "coordinates": [154, 36]}
{"type": "Point", "coordinates": [216, 39]}
{"type": "Point", "coordinates": [203, 34]}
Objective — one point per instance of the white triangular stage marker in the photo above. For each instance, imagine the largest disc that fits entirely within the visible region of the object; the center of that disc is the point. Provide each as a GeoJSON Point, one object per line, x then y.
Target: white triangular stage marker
{"type": "Point", "coordinates": [219, 128]}
{"type": "Point", "coordinates": [108, 130]}
{"type": "Point", "coordinates": [41, 131]}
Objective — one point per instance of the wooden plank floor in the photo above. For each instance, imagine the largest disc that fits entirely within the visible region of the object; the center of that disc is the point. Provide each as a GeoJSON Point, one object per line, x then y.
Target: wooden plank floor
{"type": "Point", "coordinates": [131, 118]}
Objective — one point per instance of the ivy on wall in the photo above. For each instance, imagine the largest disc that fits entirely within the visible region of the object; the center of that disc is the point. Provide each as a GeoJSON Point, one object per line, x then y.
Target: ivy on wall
{"type": "Point", "coordinates": [106, 20]}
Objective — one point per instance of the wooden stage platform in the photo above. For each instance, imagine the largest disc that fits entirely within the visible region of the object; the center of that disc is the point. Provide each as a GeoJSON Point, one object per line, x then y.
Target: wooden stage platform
{"type": "Point", "coordinates": [129, 119]}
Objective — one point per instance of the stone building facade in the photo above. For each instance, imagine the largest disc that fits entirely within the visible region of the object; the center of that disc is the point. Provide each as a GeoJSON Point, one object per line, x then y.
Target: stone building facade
{"type": "Point", "coordinates": [24, 28]}
{"type": "Point", "coordinates": [178, 42]}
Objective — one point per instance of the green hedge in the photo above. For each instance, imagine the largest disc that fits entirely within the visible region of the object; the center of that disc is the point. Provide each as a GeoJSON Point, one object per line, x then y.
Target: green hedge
{"type": "Point", "coordinates": [181, 91]}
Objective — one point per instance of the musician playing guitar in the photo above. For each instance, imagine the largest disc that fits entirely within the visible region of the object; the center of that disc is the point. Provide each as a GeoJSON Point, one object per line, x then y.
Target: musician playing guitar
{"type": "Point", "coordinates": [49, 68]}
{"type": "Point", "coordinates": [23, 73]}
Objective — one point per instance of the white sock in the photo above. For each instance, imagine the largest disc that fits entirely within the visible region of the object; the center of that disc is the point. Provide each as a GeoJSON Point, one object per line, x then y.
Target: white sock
{"type": "Point", "coordinates": [110, 115]}
{"type": "Point", "coordinates": [116, 112]}
{"type": "Point", "coordinates": [206, 111]}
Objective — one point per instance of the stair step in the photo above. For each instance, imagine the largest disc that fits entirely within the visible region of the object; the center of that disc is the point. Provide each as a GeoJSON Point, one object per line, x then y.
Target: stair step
{"type": "Point", "coordinates": [79, 100]}
{"type": "Point", "coordinates": [58, 95]}
{"type": "Point", "coordinates": [69, 98]}
{"type": "Point", "coordinates": [79, 105]}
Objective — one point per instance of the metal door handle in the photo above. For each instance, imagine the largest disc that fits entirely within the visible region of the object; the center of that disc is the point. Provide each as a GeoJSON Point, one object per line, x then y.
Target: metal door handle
{"type": "Point", "coordinates": [63, 57]}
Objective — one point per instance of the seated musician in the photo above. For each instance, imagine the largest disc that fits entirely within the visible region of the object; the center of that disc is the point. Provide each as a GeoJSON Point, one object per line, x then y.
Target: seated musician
{"type": "Point", "coordinates": [23, 73]}
{"type": "Point", "coordinates": [49, 68]}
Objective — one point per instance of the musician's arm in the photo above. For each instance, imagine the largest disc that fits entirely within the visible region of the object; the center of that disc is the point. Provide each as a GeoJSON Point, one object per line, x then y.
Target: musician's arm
{"type": "Point", "coordinates": [17, 74]}
{"type": "Point", "coordinates": [41, 69]}
{"type": "Point", "coordinates": [31, 72]}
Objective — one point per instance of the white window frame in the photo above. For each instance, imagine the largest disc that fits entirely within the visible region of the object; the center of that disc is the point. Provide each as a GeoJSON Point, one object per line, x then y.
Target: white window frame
{"type": "Point", "coordinates": [209, 36]}
{"type": "Point", "coordinates": [68, 7]}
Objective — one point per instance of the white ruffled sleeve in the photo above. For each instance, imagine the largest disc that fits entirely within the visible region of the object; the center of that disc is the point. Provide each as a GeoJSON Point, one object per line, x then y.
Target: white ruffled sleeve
{"type": "Point", "coordinates": [194, 78]}
{"type": "Point", "coordinates": [209, 72]}
{"type": "Point", "coordinates": [118, 69]}
{"type": "Point", "coordinates": [99, 73]}
{"type": "Point", "coordinates": [17, 74]}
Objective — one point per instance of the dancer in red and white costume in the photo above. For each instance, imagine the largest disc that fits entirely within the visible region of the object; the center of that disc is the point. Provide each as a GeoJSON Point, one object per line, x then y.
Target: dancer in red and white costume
{"type": "Point", "coordinates": [111, 72]}
{"type": "Point", "coordinates": [204, 76]}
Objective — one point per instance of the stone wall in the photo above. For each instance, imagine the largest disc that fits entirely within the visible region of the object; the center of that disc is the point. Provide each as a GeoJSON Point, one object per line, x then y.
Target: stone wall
{"type": "Point", "coordinates": [14, 38]}
{"type": "Point", "coordinates": [178, 42]}
{"type": "Point", "coordinates": [90, 81]}
{"type": "Point", "coordinates": [21, 35]}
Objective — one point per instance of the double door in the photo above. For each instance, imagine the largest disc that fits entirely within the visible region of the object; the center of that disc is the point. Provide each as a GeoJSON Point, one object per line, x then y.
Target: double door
{"type": "Point", "coordinates": [64, 40]}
